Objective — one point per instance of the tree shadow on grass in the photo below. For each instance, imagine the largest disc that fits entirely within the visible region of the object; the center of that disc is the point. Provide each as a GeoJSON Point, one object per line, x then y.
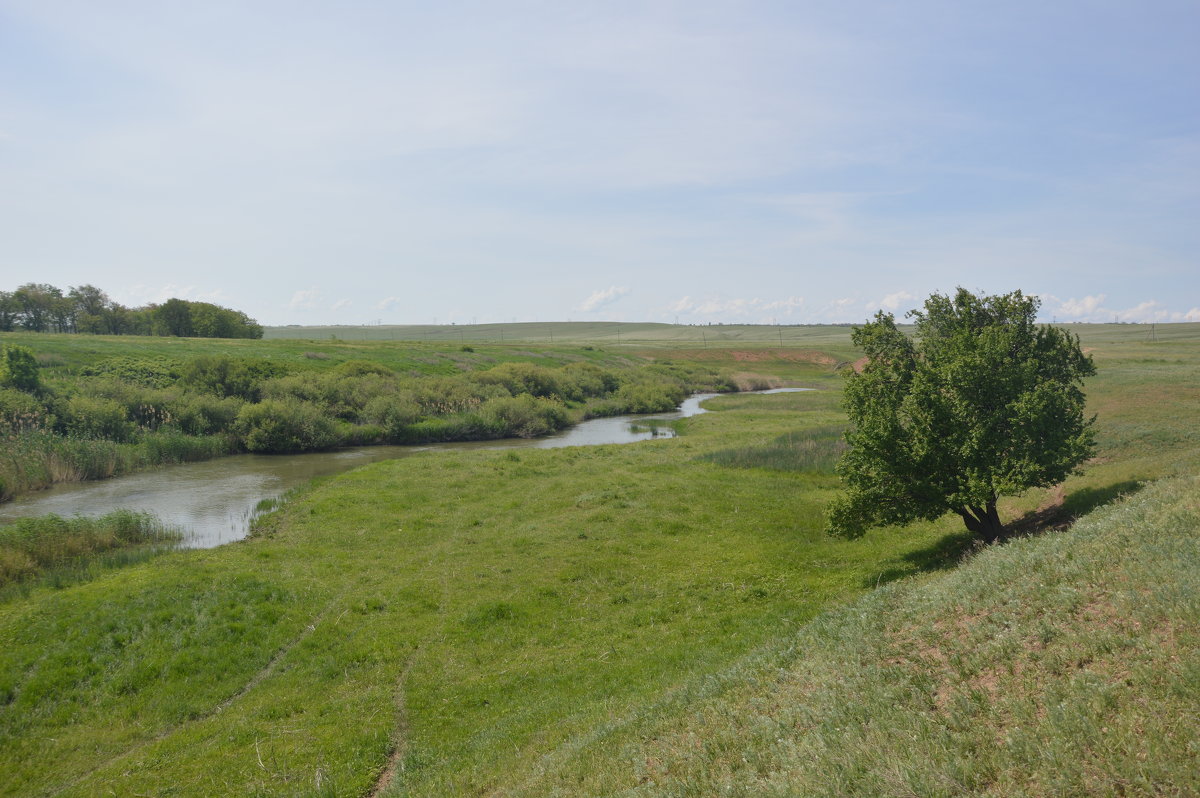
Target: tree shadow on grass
{"type": "Point", "coordinates": [1057, 514]}
{"type": "Point", "coordinates": [943, 554]}
{"type": "Point", "coordinates": [1062, 511]}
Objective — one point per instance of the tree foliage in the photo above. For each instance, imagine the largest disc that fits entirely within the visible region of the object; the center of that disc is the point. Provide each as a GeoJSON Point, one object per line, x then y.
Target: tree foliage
{"type": "Point", "coordinates": [983, 403]}
{"type": "Point", "coordinates": [39, 307]}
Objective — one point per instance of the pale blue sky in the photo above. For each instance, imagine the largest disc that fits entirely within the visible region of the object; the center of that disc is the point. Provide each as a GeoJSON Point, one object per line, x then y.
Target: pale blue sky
{"type": "Point", "coordinates": [742, 162]}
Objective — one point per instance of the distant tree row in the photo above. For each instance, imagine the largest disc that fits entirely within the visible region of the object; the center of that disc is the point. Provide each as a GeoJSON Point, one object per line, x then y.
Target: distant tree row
{"type": "Point", "coordinates": [39, 307]}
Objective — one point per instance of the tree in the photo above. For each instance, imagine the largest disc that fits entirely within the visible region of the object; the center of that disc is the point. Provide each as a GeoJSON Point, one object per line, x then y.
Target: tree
{"type": "Point", "coordinates": [39, 306]}
{"type": "Point", "coordinates": [983, 403]}
{"type": "Point", "coordinates": [175, 318]}
{"type": "Point", "coordinates": [90, 305]}
{"type": "Point", "coordinates": [10, 310]}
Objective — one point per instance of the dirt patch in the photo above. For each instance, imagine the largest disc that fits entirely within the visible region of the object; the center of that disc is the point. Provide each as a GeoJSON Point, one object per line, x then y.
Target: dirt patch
{"type": "Point", "coordinates": [750, 381]}
{"type": "Point", "coordinates": [395, 760]}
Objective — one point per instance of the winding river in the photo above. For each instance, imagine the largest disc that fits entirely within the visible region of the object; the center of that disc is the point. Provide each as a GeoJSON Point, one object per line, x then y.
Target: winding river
{"type": "Point", "coordinates": [215, 500]}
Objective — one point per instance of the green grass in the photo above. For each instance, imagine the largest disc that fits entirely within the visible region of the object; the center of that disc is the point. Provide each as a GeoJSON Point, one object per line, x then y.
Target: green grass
{"type": "Point", "coordinates": [64, 355]}
{"type": "Point", "coordinates": [578, 332]}
{"type": "Point", "coordinates": [524, 598]}
{"type": "Point", "coordinates": [641, 620]}
{"type": "Point", "coordinates": [1058, 665]}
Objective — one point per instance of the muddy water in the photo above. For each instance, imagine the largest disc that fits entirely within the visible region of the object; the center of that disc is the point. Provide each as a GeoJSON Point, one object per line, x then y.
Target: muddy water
{"type": "Point", "coordinates": [215, 500]}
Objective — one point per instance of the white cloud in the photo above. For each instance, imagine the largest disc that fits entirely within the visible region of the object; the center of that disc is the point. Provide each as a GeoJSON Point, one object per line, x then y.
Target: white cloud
{"type": "Point", "coordinates": [719, 308]}
{"type": "Point", "coordinates": [784, 305]}
{"type": "Point", "coordinates": [892, 301]}
{"type": "Point", "coordinates": [682, 305]}
{"type": "Point", "coordinates": [341, 303]}
{"type": "Point", "coordinates": [599, 299]}
{"type": "Point", "coordinates": [1081, 308]}
{"type": "Point", "coordinates": [305, 299]}
{"type": "Point", "coordinates": [144, 294]}
{"type": "Point", "coordinates": [389, 302]}
{"type": "Point", "coordinates": [1092, 309]}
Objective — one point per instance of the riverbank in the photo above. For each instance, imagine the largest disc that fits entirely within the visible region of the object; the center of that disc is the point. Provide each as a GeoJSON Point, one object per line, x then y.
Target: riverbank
{"type": "Point", "coordinates": [216, 501]}
{"type": "Point", "coordinates": [138, 409]}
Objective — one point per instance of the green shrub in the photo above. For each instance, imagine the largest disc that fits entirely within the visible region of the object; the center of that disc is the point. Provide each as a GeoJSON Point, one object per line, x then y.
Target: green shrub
{"type": "Point", "coordinates": [360, 434]}
{"type": "Point", "coordinates": [343, 396]}
{"type": "Point", "coordinates": [20, 411]}
{"type": "Point", "coordinates": [276, 426]}
{"type": "Point", "coordinates": [205, 414]}
{"type": "Point", "coordinates": [446, 396]}
{"type": "Point", "coordinates": [649, 397]}
{"type": "Point", "coordinates": [520, 378]}
{"type": "Point", "coordinates": [19, 369]}
{"type": "Point", "coordinates": [158, 372]}
{"type": "Point", "coordinates": [227, 376]}
{"type": "Point", "coordinates": [444, 429]}
{"type": "Point", "coordinates": [393, 414]}
{"type": "Point", "coordinates": [96, 417]}
{"type": "Point", "coordinates": [523, 416]}
{"type": "Point", "coordinates": [170, 446]}
{"type": "Point", "coordinates": [580, 381]}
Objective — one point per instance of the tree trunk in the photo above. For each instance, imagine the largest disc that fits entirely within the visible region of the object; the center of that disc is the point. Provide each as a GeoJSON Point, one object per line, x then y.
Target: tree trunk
{"type": "Point", "coordinates": [983, 521]}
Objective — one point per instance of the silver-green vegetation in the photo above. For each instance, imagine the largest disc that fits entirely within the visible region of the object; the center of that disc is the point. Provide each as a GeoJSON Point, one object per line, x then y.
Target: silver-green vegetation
{"type": "Point", "coordinates": [66, 418]}
{"type": "Point", "coordinates": [984, 403]}
{"type": "Point", "coordinates": [661, 619]}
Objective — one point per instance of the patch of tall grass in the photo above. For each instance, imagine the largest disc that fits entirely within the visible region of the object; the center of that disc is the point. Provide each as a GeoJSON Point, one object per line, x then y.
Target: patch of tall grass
{"type": "Point", "coordinates": [59, 548]}
{"type": "Point", "coordinates": [815, 449]}
{"type": "Point", "coordinates": [38, 458]}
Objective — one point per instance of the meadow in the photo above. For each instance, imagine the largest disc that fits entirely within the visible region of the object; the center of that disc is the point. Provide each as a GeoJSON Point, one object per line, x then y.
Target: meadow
{"type": "Point", "coordinates": [663, 618]}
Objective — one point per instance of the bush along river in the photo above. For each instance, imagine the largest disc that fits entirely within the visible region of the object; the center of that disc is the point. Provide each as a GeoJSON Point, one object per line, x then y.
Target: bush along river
{"type": "Point", "coordinates": [215, 501]}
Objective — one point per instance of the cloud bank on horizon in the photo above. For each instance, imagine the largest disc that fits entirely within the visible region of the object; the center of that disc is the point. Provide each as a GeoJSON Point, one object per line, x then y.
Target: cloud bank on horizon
{"type": "Point", "coordinates": [711, 161]}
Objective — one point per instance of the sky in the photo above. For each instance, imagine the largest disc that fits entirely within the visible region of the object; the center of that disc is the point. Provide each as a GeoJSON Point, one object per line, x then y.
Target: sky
{"type": "Point", "coordinates": [741, 162]}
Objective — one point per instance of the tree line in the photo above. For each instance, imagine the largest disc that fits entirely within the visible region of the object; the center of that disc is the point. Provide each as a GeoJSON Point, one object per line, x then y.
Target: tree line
{"type": "Point", "coordinates": [40, 307]}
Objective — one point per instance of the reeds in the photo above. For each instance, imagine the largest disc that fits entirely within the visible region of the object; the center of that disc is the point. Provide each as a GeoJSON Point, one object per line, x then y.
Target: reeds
{"type": "Point", "coordinates": [35, 459]}
{"type": "Point", "coordinates": [45, 545]}
{"type": "Point", "coordinates": [813, 450]}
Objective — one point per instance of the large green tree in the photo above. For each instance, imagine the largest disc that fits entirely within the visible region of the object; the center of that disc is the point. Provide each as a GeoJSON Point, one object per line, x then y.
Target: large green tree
{"type": "Point", "coordinates": [983, 402]}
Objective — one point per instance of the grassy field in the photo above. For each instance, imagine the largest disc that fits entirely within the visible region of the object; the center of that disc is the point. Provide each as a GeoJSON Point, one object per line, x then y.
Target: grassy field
{"type": "Point", "coordinates": [578, 333]}
{"type": "Point", "coordinates": [665, 618]}
{"type": "Point", "coordinates": [62, 355]}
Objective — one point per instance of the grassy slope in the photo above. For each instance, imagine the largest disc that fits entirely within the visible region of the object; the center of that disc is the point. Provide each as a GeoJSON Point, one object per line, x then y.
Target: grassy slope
{"type": "Point", "coordinates": [512, 624]}
{"type": "Point", "coordinates": [1052, 666]}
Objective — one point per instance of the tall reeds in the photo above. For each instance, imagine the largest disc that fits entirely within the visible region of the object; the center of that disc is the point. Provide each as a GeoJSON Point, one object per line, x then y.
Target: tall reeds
{"type": "Point", "coordinates": [32, 547]}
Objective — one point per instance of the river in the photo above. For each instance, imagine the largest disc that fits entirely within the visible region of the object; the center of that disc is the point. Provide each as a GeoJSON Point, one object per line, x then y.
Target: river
{"type": "Point", "coordinates": [214, 501]}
